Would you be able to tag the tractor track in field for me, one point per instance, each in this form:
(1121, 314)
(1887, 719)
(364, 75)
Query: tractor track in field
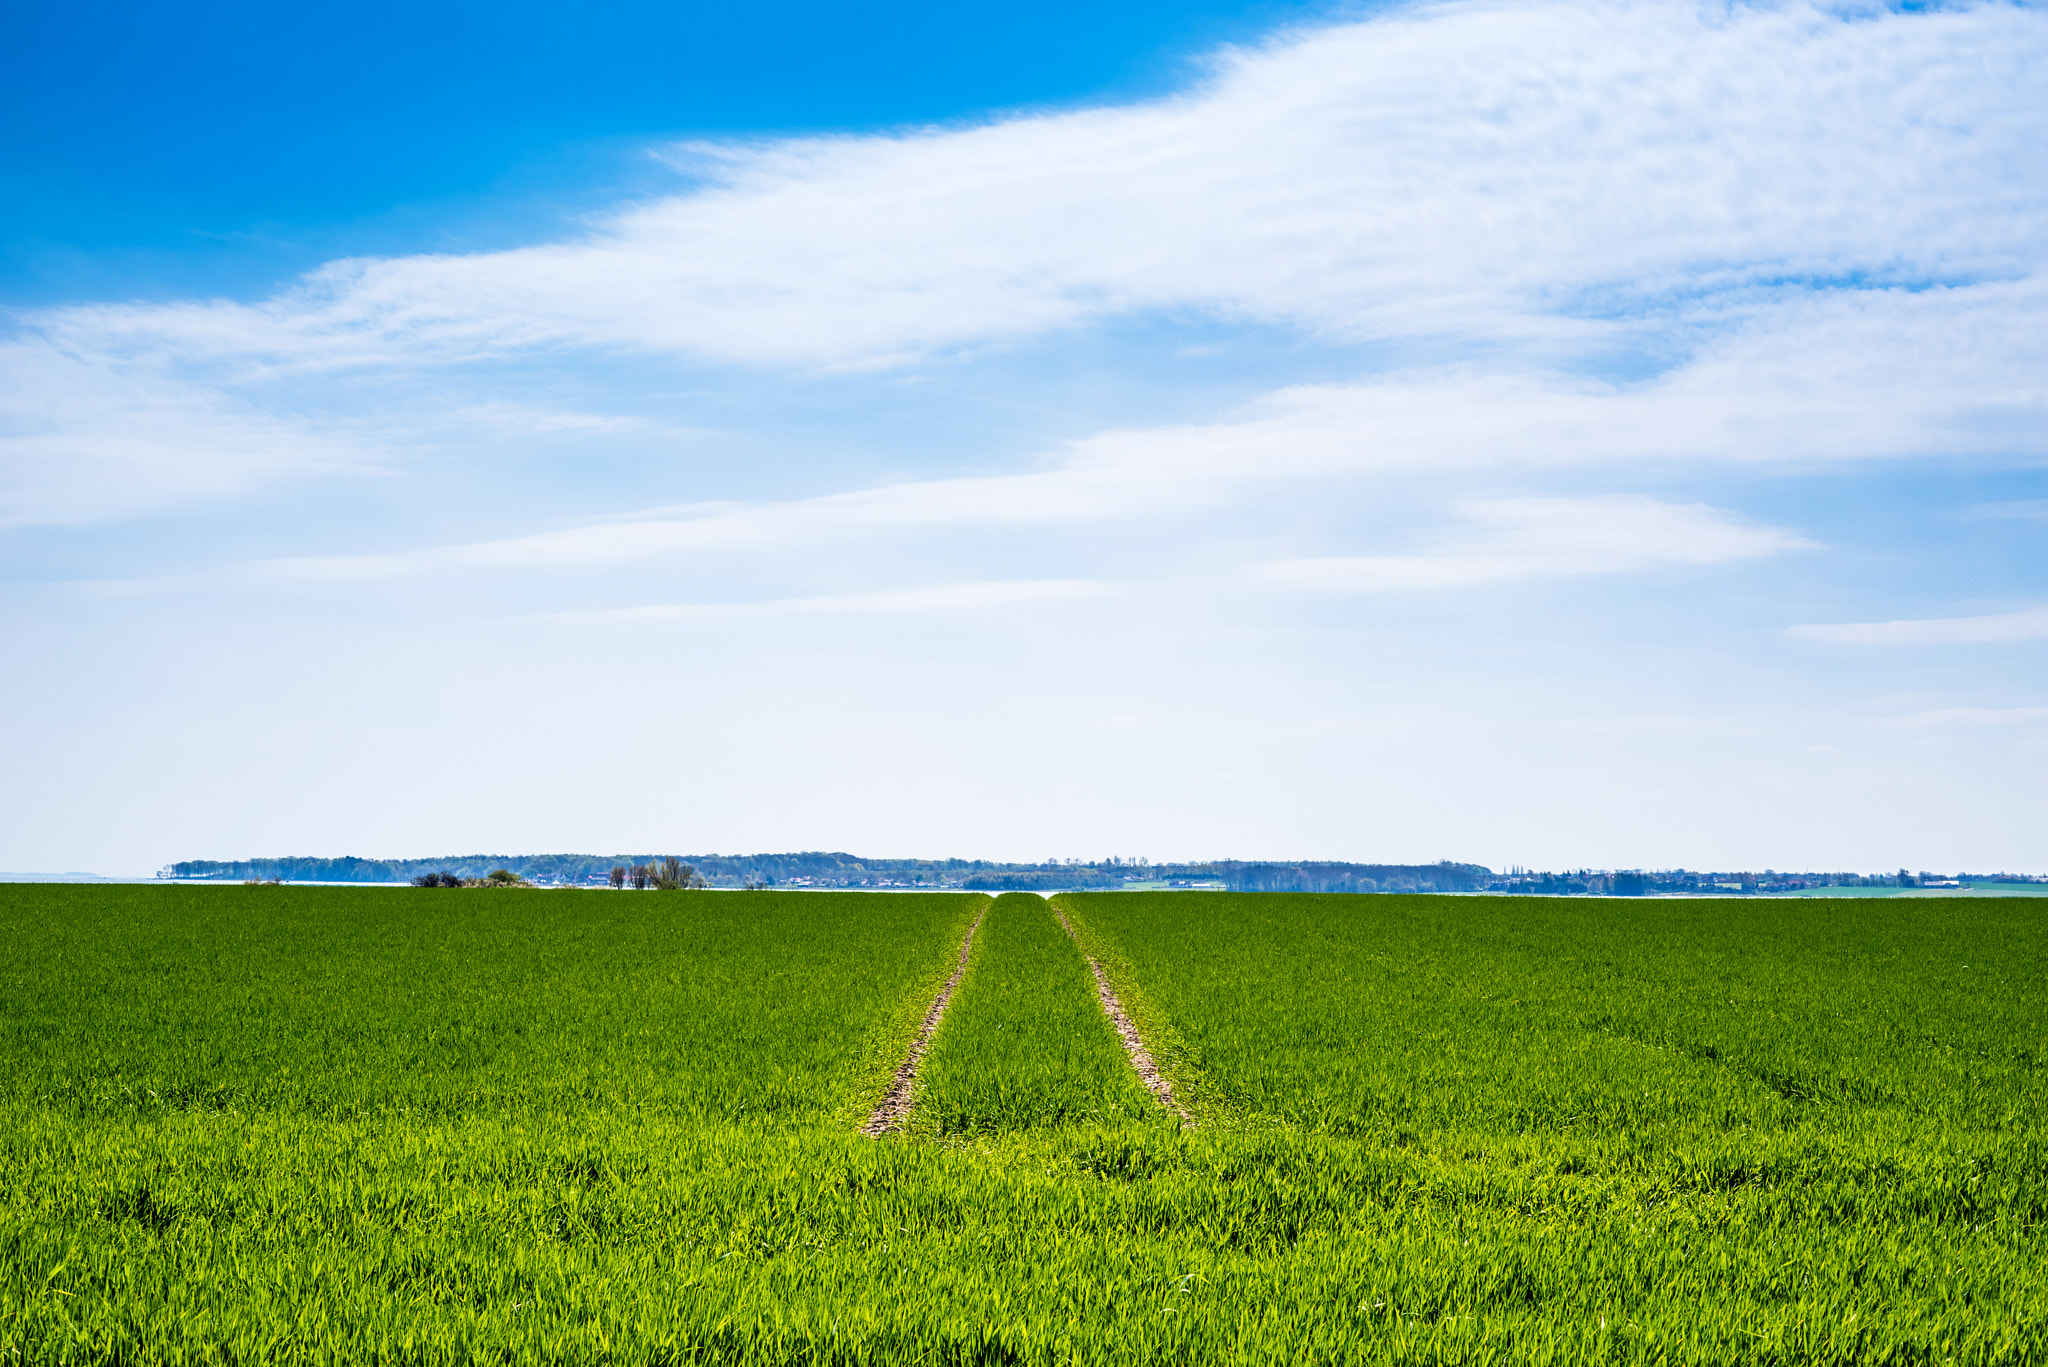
(1134, 1044)
(896, 1103)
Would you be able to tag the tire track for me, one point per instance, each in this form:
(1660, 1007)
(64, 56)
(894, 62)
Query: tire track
(1134, 1045)
(896, 1103)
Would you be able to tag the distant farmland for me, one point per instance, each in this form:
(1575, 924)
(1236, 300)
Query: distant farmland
(279, 1124)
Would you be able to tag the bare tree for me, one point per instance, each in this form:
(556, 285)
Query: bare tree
(618, 875)
(640, 875)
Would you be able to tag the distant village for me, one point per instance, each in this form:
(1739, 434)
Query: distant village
(1652, 882)
(845, 871)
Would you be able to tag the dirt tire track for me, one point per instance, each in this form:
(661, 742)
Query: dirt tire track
(1134, 1045)
(896, 1103)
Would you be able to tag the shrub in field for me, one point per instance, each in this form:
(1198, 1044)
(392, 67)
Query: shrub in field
(672, 875)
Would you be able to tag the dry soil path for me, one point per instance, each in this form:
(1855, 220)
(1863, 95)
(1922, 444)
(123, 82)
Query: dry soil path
(895, 1107)
(1134, 1045)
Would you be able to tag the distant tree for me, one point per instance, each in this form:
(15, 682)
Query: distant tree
(618, 875)
(437, 880)
(673, 875)
(640, 875)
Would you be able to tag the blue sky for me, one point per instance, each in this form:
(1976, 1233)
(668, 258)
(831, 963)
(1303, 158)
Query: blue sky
(156, 150)
(1565, 433)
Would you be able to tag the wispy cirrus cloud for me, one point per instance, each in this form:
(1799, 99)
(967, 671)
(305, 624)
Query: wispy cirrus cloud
(1451, 167)
(2028, 624)
(84, 440)
(1841, 378)
(938, 600)
(1824, 228)
(2023, 510)
(1523, 538)
(1965, 718)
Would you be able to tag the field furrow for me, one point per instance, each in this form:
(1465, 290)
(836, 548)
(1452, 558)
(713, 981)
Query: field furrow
(895, 1106)
(1026, 1046)
(1141, 1059)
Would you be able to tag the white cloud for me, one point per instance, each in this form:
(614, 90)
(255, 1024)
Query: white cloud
(1539, 537)
(1870, 374)
(2028, 624)
(1443, 167)
(1768, 191)
(86, 439)
(2024, 510)
(1881, 373)
(940, 600)
(927, 505)
(512, 417)
(1966, 718)
(1307, 437)
(1855, 375)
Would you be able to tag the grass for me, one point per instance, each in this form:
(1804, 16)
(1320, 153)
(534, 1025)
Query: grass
(1025, 1044)
(1812, 1123)
(781, 1009)
(1434, 1130)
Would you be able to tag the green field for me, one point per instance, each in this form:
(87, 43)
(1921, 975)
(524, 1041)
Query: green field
(337, 1125)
